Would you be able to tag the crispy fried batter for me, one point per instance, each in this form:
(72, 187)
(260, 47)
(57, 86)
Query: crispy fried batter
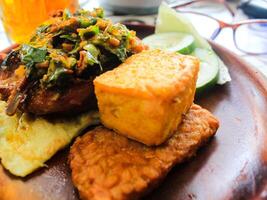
(107, 166)
(145, 97)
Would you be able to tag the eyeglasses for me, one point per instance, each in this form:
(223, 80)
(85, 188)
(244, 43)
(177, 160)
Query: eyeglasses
(247, 1)
(249, 35)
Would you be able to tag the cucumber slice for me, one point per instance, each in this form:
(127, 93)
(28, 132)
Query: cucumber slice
(172, 41)
(209, 69)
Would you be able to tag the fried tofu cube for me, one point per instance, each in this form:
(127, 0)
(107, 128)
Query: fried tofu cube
(145, 97)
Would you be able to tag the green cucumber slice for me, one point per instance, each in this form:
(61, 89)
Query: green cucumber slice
(209, 69)
(172, 41)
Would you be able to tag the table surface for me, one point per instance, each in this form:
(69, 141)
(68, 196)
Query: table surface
(225, 38)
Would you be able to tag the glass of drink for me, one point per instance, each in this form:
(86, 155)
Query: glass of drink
(20, 17)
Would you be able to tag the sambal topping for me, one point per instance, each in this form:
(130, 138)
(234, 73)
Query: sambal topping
(70, 45)
(65, 51)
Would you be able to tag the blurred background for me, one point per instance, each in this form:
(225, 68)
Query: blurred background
(20, 17)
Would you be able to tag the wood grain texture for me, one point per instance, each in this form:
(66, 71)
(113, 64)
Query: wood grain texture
(232, 166)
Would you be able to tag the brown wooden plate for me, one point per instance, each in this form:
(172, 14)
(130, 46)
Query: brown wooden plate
(232, 166)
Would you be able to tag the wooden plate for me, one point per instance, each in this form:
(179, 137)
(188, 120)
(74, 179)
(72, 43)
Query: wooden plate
(232, 166)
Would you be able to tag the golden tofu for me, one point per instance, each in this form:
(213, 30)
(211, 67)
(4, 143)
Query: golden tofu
(145, 97)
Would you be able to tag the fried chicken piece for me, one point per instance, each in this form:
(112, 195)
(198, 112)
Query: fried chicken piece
(77, 98)
(40, 101)
(60, 61)
(107, 166)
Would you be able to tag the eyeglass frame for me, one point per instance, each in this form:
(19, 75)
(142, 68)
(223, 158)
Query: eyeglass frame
(227, 6)
(248, 1)
(223, 24)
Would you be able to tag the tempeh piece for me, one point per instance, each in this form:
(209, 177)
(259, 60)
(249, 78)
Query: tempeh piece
(108, 166)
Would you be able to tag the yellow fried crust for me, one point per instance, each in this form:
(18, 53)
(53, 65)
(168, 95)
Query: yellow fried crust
(107, 166)
(151, 74)
(145, 97)
(27, 142)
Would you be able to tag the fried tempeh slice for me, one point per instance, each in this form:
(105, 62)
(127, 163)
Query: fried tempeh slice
(107, 166)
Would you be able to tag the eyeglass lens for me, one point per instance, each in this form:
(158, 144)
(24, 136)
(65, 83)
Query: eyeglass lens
(251, 38)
